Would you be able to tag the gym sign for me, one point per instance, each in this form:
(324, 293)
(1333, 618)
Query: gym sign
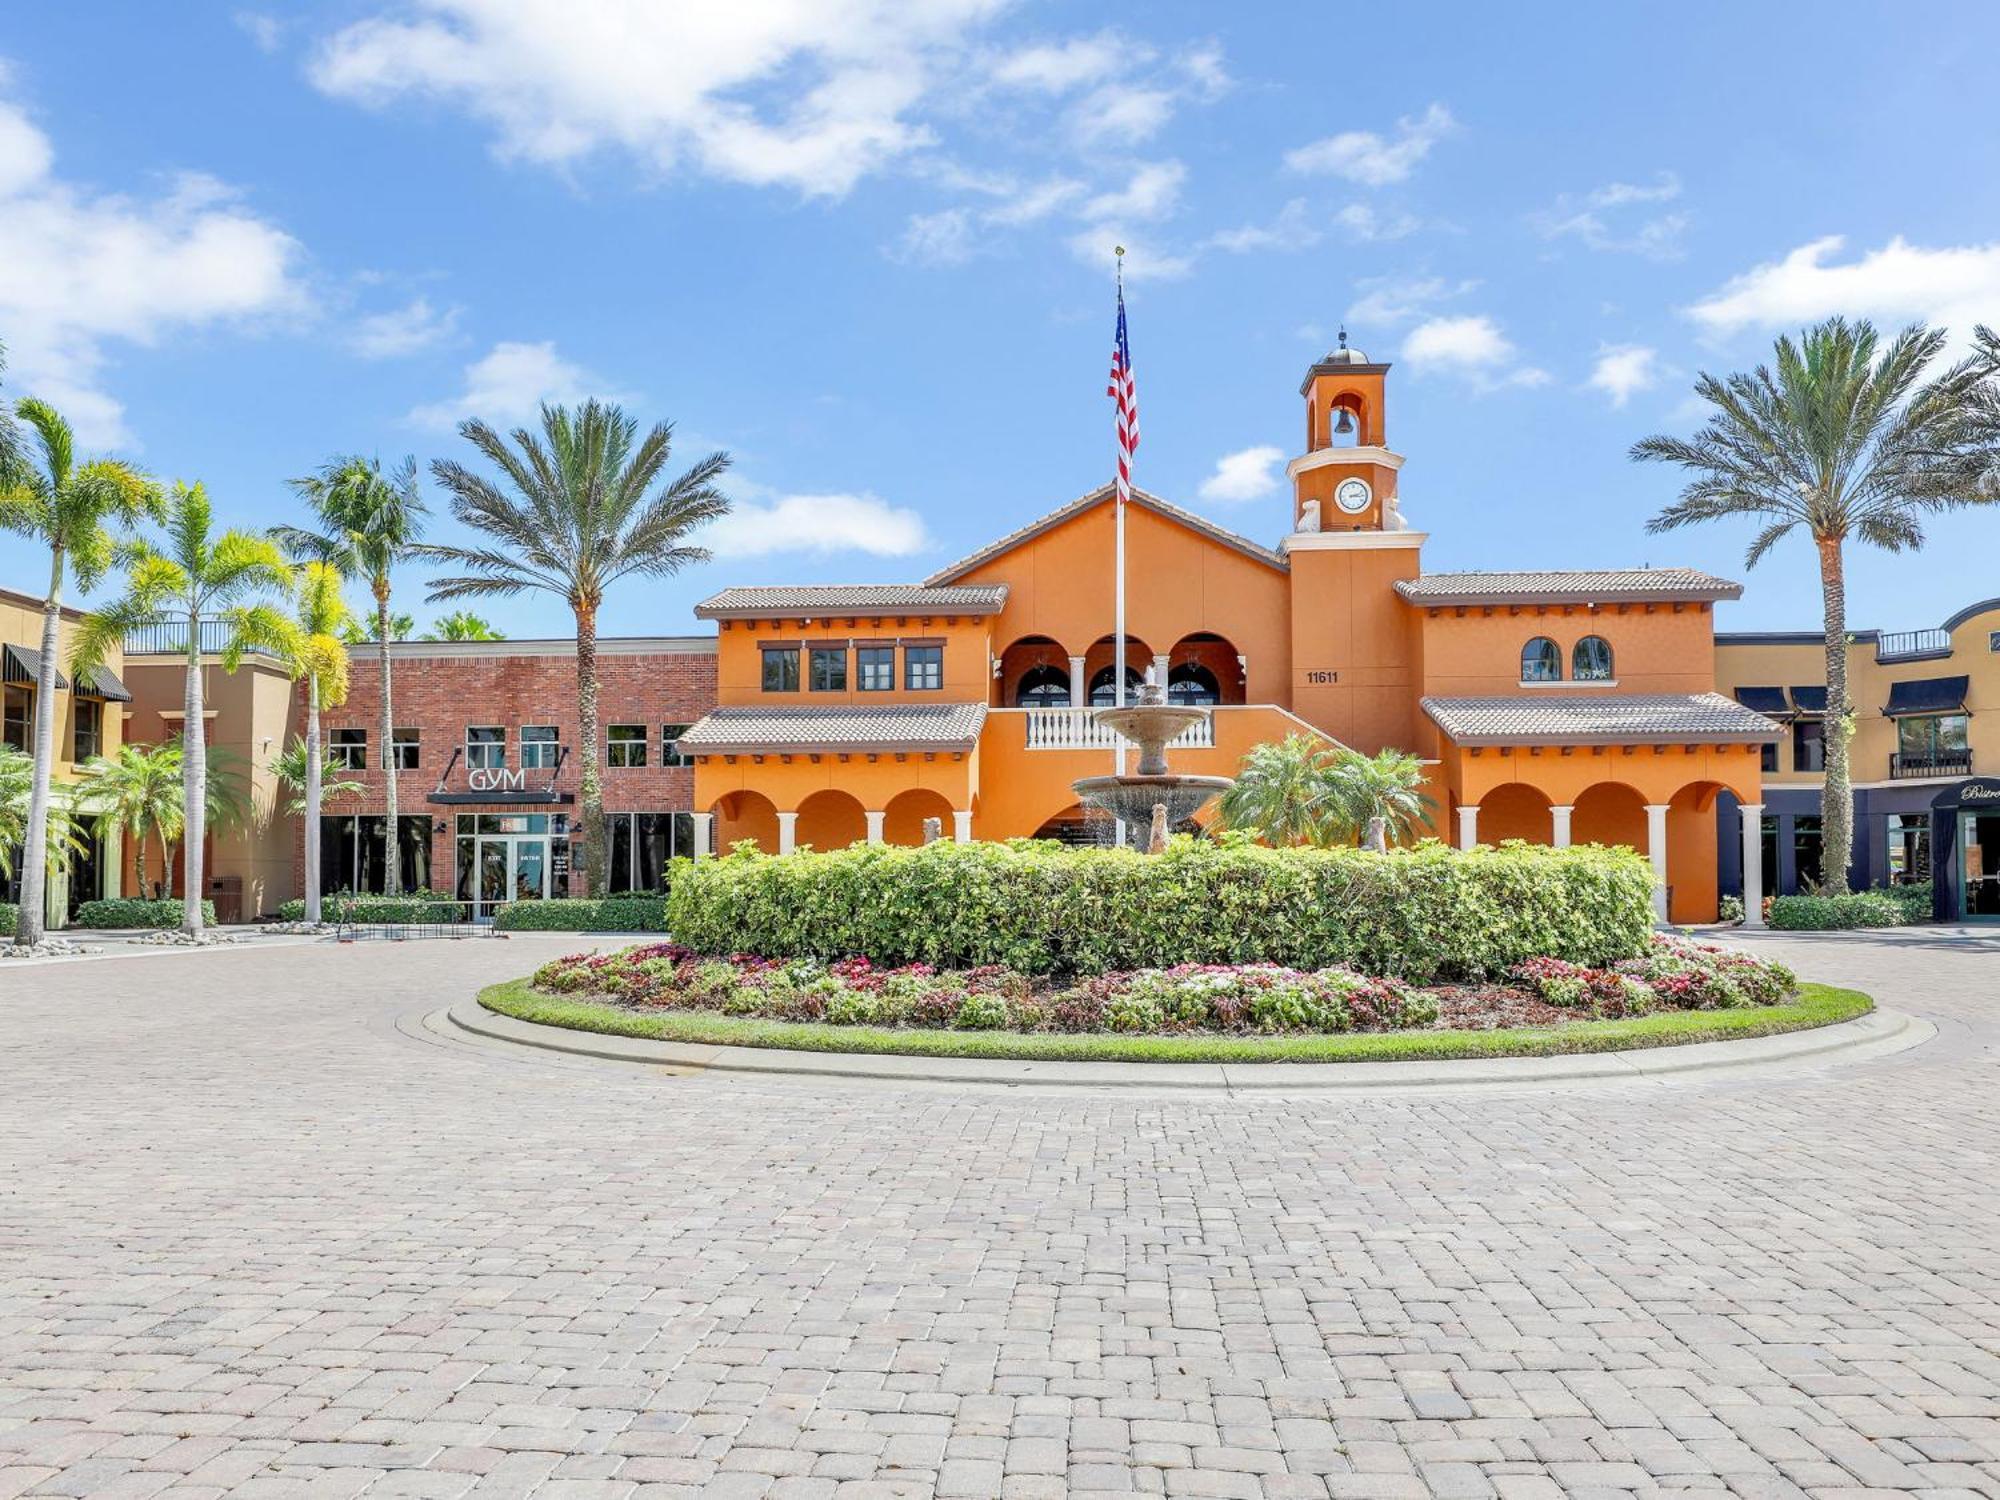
(508, 786)
(496, 779)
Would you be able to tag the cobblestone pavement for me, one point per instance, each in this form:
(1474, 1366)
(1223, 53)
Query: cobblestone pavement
(255, 1241)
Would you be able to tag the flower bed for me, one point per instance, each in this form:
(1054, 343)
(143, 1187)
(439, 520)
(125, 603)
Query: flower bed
(1212, 999)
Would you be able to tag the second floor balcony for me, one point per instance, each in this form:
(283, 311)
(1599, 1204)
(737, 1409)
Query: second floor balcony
(1078, 729)
(170, 638)
(1920, 765)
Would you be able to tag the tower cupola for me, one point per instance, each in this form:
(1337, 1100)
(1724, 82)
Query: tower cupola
(1346, 478)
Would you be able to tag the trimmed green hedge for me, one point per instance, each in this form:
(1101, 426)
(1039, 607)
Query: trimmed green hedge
(1420, 914)
(611, 914)
(10, 918)
(346, 906)
(126, 911)
(1839, 913)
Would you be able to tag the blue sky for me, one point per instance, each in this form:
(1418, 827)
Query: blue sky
(864, 247)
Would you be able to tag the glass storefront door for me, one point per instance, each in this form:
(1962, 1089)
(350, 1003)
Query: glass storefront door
(1979, 865)
(508, 857)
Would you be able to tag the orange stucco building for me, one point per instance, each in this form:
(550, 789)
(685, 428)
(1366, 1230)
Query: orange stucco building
(1552, 707)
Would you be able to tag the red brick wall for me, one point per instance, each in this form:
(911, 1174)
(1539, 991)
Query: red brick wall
(441, 696)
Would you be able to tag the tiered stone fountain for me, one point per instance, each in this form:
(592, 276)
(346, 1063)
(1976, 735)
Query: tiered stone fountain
(1152, 797)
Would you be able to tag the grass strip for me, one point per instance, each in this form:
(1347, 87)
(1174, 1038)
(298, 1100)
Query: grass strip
(1817, 1005)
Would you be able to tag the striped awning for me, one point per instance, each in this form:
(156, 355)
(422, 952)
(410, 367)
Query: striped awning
(102, 682)
(1927, 695)
(23, 665)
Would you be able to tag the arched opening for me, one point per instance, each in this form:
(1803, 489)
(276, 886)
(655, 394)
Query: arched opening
(1098, 674)
(1610, 813)
(1541, 661)
(1104, 690)
(905, 814)
(1346, 421)
(1590, 660)
(1692, 838)
(829, 820)
(1034, 673)
(746, 815)
(1204, 669)
(1515, 811)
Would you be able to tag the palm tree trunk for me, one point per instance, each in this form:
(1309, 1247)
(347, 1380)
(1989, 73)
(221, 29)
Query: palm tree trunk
(392, 862)
(166, 866)
(312, 798)
(138, 861)
(194, 784)
(1836, 804)
(585, 861)
(32, 922)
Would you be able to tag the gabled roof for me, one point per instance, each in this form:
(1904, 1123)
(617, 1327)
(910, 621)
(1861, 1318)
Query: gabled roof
(852, 598)
(839, 726)
(1099, 496)
(1615, 586)
(1627, 719)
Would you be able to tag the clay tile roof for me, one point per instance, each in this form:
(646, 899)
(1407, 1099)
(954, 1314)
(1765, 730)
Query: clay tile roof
(1616, 586)
(853, 598)
(1579, 719)
(893, 726)
(1099, 496)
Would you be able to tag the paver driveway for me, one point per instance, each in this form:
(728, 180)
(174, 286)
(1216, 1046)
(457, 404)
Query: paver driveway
(255, 1241)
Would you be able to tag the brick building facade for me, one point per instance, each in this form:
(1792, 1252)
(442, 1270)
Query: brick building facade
(487, 768)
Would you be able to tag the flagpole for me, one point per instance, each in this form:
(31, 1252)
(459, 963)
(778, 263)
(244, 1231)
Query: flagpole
(1118, 625)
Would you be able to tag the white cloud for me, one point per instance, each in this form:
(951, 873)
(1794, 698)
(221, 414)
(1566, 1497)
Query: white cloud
(1951, 286)
(508, 385)
(1594, 219)
(403, 330)
(266, 31)
(1291, 230)
(1371, 159)
(1247, 474)
(1388, 300)
(1623, 370)
(813, 97)
(1121, 114)
(1361, 221)
(1058, 67)
(1153, 192)
(940, 239)
(1472, 347)
(1026, 204)
(82, 271)
(817, 524)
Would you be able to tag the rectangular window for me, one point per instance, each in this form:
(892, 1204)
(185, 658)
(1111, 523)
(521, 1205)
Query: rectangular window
(876, 666)
(670, 745)
(87, 725)
(19, 719)
(1909, 847)
(781, 669)
(1768, 757)
(1806, 845)
(1932, 740)
(353, 854)
(403, 748)
(1808, 745)
(348, 749)
(539, 750)
(626, 746)
(826, 669)
(923, 668)
(486, 748)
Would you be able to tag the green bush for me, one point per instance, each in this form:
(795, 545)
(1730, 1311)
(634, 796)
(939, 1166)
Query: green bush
(1837, 913)
(1914, 899)
(1043, 908)
(347, 906)
(10, 918)
(129, 912)
(610, 914)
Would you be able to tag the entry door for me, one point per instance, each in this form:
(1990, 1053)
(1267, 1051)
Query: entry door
(528, 873)
(1979, 864)
(494, 881)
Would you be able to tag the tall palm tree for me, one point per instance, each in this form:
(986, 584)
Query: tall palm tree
(363, 630)
(577, 512)
(308, 642)
(17, 781)
(1380, 796)
(1282, 792)
(1845, 439)
(140, 789)
(462, 625)
(70, 507)
(369, 522)
(196, 575)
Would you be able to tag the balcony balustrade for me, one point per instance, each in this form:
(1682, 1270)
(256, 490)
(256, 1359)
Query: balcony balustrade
(1907, 767)
(1078, 729)
(1912, 645)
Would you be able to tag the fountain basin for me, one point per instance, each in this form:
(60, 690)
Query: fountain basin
(1131, 799)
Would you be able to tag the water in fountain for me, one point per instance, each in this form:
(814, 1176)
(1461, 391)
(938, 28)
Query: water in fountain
(1148, 725)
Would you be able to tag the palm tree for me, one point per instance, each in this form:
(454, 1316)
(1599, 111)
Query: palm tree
(1283, 793)
(1380, 796)
(462, 625)
(289, 766)
(1844, 439)
(140, 789)
(68, 507)
(17, 781)
(360, 630)
(197, 576)
(574, 517)
(308, 643)
(369, 522)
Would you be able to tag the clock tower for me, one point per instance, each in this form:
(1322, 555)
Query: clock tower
(1345, 481)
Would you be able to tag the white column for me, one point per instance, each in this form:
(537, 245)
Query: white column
(788, 827)
(1468, 825)
(1079, 690)
(1160, 672)
(1560, 817)
(704, 832)
(1753, 864)
(1656, 850)
(961, 827)
(874, 825)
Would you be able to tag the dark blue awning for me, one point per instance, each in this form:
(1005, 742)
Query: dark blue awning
(1927, 695)
(1769, 701)
(1809, 700)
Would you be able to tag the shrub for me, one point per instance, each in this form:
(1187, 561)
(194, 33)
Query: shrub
(10, 919)
(350, 906)
(126, 911)
(605, 914)
(1729, 909)
(1837, 912)
(1916, 900)
(981, 1013)
(1041, 908)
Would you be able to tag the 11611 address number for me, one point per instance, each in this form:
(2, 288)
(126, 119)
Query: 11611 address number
(1322, 676)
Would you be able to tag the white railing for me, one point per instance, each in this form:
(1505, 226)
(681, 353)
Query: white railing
(1078, 729)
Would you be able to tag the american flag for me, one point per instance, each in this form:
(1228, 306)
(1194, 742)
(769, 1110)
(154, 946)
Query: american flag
(1125, 391)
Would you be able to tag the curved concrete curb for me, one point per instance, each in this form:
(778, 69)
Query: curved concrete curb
(1878, 1033)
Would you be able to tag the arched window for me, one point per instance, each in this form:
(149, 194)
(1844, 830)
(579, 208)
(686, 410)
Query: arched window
(1194, 685)
(1043, 687)
(1591, 660)
(1541, 661)
(1104, 695)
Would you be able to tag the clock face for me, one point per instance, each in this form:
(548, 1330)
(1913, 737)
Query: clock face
(1353, 496)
